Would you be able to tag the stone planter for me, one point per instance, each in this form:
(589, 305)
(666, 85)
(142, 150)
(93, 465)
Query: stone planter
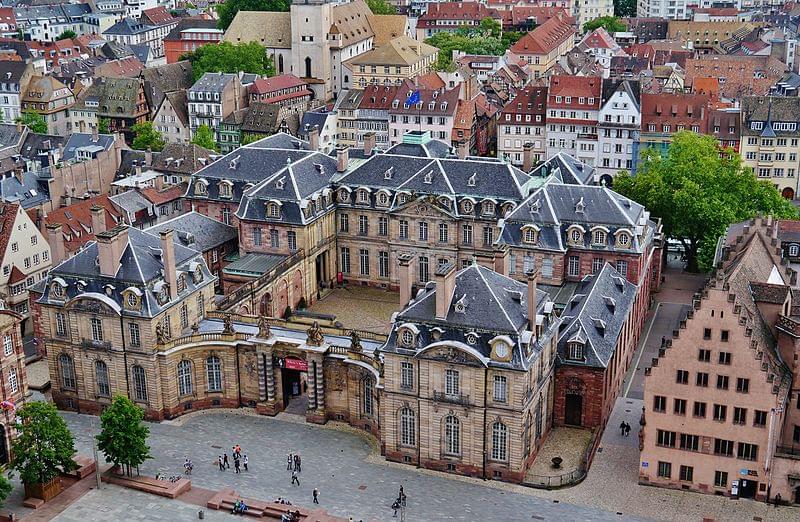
(45, 491)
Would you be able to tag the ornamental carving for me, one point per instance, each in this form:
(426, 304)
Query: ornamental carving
(355, 342)
(451, 355)
(161, 335)
(263, 328)
(227, 324)
(314, 335)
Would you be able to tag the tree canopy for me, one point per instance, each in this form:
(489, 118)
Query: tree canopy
(123, 437)
(34, 121)
(68, 34)
(697, 192)
(204, 137)
(147, 137)
(5, 488)
(44, 446)
(226, 11)
(229, 58)
(624, 8)
(103, 125)
(490, 27)
(610, 23)
(465, 41)
(381, 7)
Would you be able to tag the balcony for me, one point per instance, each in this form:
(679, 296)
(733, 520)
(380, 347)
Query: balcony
(90, 344)
(451, 398)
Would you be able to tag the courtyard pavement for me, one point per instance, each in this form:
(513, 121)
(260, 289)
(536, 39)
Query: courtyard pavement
(362, 308)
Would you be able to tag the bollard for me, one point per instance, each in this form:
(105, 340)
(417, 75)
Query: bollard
(201, 515)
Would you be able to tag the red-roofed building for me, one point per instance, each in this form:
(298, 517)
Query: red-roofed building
(525, 18)
(573, 105)
(188, 35)
(665, 114)
(157, 16)
(8, 23)
(600, 45)
(286, 90)
(522, 121)
(449, 16)
(127, 67)
(79, 224)
(53, 52)
(543, 46)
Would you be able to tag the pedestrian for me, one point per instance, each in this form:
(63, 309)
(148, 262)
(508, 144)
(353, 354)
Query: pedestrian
(395, 506)
(315, 493)
(238, 450)
(244, 461)
(295, 480)
(663, 341)
(778, 499)
(622, 428)
(225, 460)
(221, 465)
(236, 465)
(298, 463)
(289, 462)
(294, 464)
(627, 429)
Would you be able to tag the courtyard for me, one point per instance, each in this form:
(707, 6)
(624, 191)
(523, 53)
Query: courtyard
(360, 307)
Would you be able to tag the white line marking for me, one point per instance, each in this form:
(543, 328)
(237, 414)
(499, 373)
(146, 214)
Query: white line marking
(643, 346)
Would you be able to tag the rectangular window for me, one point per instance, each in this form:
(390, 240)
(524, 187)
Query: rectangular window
(720, 479)
(724, 357)
(383, 226)
(257, 236)
(423, 231)
(702, 379)
(291, 238)
(759, 418)
(665, 438)
(135, 338)
(274, 238)
(707, 334)
(720, 412)
(724, 335)
(686, 473)
(97, 329)
(383, 264)
(723, 447)
(488, 236)
(345, 255)
(451, 382)
(690, 442)
(344, 223)
(682, 377)
(597, 264)
(363, 225)
(622, 267)
(500, 385)
(704, 355)
(739, 415)
(679, 407)
(699, 410)
(574, 266)
(406, 375)
(424, 274)
(664, 469)
(61, 324)
(466, 234)
(363, 261)
(722, 382)
(403, 229)
(659, 403)
(8, 344)
(742, 385)
(746, 451)
(443, 233)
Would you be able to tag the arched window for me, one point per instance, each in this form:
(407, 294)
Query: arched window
(101, 374)
(576, 236)
(452, 435)
(214, 373)
(67, 371)
(793, 250)
(499, 441)
(599, 237)
(367, 387)
(308, 66)
(139, 383)
(408, 427)
(184, 377)
(280, 64)
(530, 235)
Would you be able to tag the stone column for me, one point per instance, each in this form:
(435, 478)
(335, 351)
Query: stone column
(311, 387)
(320, 381)
(270, 371)
(262, 378)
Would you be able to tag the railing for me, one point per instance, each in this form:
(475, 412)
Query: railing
(453, 399)
(251, 287)
(91, 344)
(203, 337)
(788, 451)
(570, 478)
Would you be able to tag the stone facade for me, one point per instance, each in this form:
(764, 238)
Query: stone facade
(14, 380)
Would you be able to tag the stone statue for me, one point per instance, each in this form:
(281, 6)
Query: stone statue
(227, 325)
(263, 328)
(195, 328)
(161, 335)
(315, 337)
(355, 342)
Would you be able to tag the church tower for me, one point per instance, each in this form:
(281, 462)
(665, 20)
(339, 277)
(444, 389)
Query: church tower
(311, 52)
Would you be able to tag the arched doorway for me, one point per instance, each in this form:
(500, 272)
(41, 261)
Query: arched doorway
(788, 193)
(308, 67)
(294, 384)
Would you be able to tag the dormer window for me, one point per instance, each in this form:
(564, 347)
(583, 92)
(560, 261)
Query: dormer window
(407, 338)
(472, 338)
(57, 290)
(344, 195)
(793, 250)
(200, 188)
(488, 208)
(132, 301)
(467, 207)
(575, 352)
(623, 239)
(530, 235)
(599, 237)
(181, 283)
(225, 189)
(383, 199)
(472, 180)
(576, 236)
(274, 210)
(197, 275)
(363, 196)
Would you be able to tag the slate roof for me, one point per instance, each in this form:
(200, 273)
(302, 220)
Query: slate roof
(768, 293)
(254, 264)
(12, 71)
(212, 82)
(182, 158)
(770, 110)
(29, 191)
(140, 267)
(164, 79)
(36, 144)
(9, 135)
(485, 304)
(565, 169)
(117, 97)
(78, 140)
(131, 202)
(128, 26)
(595, 316)
(197, 231)
(430, 149)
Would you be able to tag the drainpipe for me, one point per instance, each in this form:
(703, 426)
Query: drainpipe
(485, 402)
(770, 448)
(419, 430)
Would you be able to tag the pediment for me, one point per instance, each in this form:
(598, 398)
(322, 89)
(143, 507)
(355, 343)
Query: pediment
(425, 206)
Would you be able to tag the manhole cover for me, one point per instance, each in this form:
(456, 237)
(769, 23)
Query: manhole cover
(362, 487)
(216, 447)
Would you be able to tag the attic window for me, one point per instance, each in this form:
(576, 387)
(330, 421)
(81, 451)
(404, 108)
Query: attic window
(472, 179)
(580, 206)
(388, 173)
(281, 183)
(575, 352)
(530, 235)
(472, 338)
(428, 177)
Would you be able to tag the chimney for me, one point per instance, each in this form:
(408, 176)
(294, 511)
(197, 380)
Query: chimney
(56, 240)
(527, 157)
(342, 159)
(138, 170)
(95, 134)
(369, 143)
(445, 278)
(168, 260)
(98, 219)
(19, 127)
(501, 260)
(313, 138)
(148, 157)
(18, 171)
(463, 149)
(533, 277)
(110, 246)
(775, 227)
(406, 277)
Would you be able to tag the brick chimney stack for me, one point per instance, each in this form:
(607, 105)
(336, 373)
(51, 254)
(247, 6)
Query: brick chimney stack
(533, 277)
(55, 238)
(98, 219)
(342, 159)
(527, 157)
(406, 277)
(445, 278)
(313, 138)
(110, 246)
(168, 259)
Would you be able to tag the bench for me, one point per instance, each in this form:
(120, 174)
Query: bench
(86, 466)
(225, 499)
(162, 488)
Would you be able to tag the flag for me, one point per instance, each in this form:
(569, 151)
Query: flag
(413, 99)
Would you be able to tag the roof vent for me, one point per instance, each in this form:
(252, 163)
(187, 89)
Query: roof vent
(610, 303)
(600, 325)
(535, 205)
(234, 163)
(388, 173)
(280, 183)
(428, 177)
(472, 179)
(580, 206)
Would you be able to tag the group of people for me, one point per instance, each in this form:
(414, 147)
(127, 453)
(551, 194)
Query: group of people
(187, 466)
(625, 429)
(400, 502)
(291, 517)
(239, 507)
(293, 464)
(239, 460)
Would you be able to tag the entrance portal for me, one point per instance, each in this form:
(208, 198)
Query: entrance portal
(747, 488)
(294, 385)
(573, 410)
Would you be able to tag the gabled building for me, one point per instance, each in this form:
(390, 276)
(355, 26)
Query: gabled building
(15, 78)
(435, 113)
(542, 47)
(212, 98)
(122, 101)
(602, 47)
(52, 100)
(573, 105)
(69, 228)
(171, 118)
(665, 114)
(521, 124)
(618, 128)
(400, 59)
(450, 16)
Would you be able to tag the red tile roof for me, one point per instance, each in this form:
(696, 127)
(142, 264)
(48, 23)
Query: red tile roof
(159, 197)
(8, 214)
(531, 100)
(381, 96)
(276, 83)
(76, 220)
(128, 67)
(575, 87)
(431, 81)
(158, 16)
(599, 39)
(545, 37)
(743, 75)
(674, 110)
(520, 14)
(439, 13)
(16, 275)
(7, 17)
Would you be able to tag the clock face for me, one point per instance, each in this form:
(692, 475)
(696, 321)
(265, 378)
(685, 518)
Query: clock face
(501, 349)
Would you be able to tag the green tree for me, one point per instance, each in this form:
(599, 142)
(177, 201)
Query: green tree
(123, 437)
(44, 446)
(229, 58)
(226, 11)
(381, 7)
(103, 125)
(697, 192)
(625, 8)
(610, 23)
(509, 38)
(5, 487)
(204, 137)
(147, 137)
(67, 35)
(490, 27)
(468, 41)
(34, 121)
